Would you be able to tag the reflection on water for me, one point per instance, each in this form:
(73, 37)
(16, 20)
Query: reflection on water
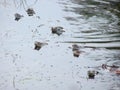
(96, 22)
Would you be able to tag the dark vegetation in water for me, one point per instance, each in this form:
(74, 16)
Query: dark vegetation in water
(57, 30)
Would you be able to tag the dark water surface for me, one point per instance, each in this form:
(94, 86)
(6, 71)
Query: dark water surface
(92, 24)
(96, 22)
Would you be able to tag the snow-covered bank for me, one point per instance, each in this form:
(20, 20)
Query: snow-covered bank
(53, 67)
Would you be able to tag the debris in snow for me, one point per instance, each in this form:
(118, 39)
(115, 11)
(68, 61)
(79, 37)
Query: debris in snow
(40, 25)
(18, 16)
(75, 47)
(76, 53)
(57, 30)
(114, 69)
(76, 50)
(92, 73)
(38, 45)
(30, 12)
(38, 17)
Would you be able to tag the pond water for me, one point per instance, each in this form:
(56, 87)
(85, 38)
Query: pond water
(94, 25)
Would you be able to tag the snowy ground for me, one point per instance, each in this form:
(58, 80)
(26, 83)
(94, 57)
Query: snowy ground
(53, 67)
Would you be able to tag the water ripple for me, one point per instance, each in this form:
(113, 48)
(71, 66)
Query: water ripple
(95, 23)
